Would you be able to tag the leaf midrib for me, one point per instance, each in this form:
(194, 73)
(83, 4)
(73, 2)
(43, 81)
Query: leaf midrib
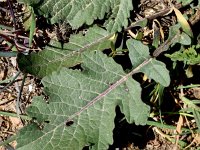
(99, 97)
(81, 50)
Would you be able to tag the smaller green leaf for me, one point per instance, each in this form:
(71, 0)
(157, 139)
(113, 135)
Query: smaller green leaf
(173, 30)
(184, 39)
(157, 70)
(138, 52)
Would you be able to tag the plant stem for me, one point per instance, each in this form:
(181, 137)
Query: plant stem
(7, 54)
(11, 139)
(10, 114)
(11, 82)
(19, 96)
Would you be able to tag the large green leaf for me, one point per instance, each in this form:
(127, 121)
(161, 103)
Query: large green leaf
(81, 107)
(156, 70)
(55, 56)
(78, 12)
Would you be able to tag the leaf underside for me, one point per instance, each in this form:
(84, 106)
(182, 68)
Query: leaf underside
(79, 12)
(55, 56)
(81, 106)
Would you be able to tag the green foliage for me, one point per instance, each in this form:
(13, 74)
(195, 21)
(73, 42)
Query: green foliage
(138, 52)
(81, 103)
(188, 56)
(156, 70)
(182, 38)
(174, 37)
(55, 56)
(89, 99)
(86, 101)
(86, 11)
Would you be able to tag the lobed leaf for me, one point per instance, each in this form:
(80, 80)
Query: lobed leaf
(81, 106)
(78, 12)
(120, 13)
(55, 56)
